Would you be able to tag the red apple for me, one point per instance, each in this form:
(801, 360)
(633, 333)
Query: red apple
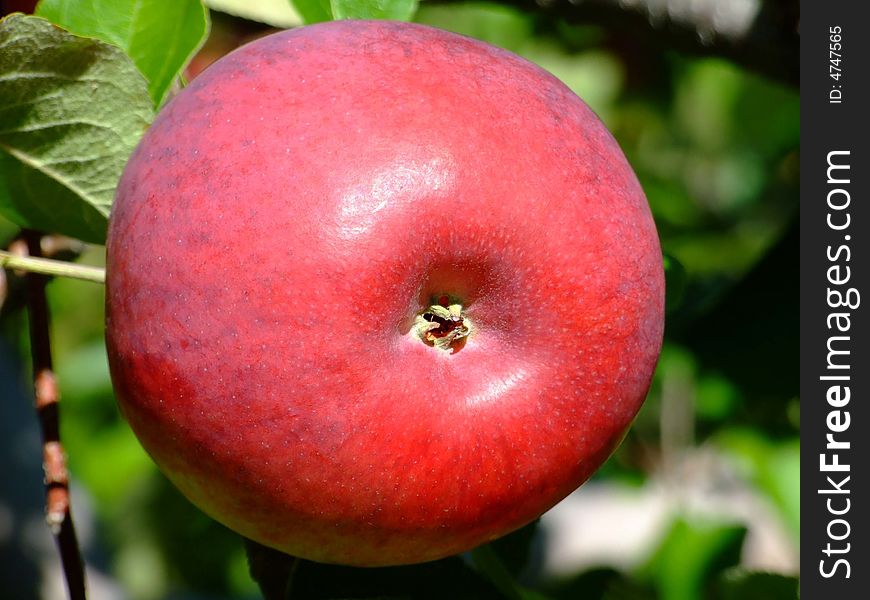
(378, 293)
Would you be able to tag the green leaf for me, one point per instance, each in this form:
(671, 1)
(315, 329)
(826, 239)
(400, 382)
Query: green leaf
(317, 11)
(782, 481)
(161, 36)
(774, 468)
(398, 10)
(737, 584)
(600, 583)
(314, 11)
(71, 111)
(690, 557)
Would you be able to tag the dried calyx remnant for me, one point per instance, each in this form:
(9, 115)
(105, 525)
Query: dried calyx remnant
(443, 324)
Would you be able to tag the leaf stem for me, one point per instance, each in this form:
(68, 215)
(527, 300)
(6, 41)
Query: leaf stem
(47, 266)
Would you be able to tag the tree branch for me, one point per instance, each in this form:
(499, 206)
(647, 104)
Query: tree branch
(47, 396)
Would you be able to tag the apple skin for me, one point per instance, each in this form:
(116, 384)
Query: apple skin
(283, 222)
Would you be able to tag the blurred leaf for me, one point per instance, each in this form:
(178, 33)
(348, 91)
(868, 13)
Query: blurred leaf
(773, 467)
(675, 282)
(717, 256)
(754, 585)
(197, 550)
(717, 398)
(671, 204)
(713, 160)
(140, 567)
(81, 306)
(72, 110)
(239, 575)
(691, 556)
(768, 131)
(602, 583)
(89, 405)
(515, 549)
(84, 373)
(500, 25)
(397, 10)
(706, 96)
(596, 75)
(109, 461)
(751, 334)
(488, 562)
(161, 36)
(8, 230)
(314, 11)
(446, 578)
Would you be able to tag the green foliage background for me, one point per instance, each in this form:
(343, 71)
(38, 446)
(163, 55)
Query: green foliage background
(716, 149)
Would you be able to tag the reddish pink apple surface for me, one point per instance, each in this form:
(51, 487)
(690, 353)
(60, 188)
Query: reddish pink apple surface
(378, 293)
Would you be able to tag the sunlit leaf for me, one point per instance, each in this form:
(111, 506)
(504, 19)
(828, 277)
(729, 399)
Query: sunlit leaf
(161, 36)
(502, 26)
(399, 10)
(277, 13)
(773, 467)
(691, 555)
(71, 111)
(314, 11)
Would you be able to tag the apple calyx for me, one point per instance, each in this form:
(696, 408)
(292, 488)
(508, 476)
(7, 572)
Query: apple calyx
(443, 325)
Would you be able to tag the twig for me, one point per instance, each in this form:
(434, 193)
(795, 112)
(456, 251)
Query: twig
(45, 266)
(47, 395)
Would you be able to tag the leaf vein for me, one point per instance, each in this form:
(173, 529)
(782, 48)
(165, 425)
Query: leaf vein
(66, 181)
